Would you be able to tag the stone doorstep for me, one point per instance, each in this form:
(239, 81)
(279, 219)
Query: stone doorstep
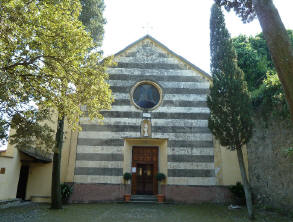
(143, 199)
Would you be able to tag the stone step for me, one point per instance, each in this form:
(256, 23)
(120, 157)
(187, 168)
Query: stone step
(143, 198)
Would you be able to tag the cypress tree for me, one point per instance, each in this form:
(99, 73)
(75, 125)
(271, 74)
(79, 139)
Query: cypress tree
(230, 120)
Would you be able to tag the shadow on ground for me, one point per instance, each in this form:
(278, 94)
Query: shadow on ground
(107, 212)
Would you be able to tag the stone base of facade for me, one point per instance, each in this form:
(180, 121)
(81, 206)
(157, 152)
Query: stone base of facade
(197, 194)
(85, 193)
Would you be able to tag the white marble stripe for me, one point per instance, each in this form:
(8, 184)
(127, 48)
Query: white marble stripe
(170, 136)
(204, 181)
(190, 165)
(190, 151)
(111, 121)
(171, 151)
(146, 72)
(157, 60)
(192, 181)
(155, 122)
(99, 149)
(106, 135)
(97, 179)
(99, 164)
(182, 97)
(164, 109)
(173, 85)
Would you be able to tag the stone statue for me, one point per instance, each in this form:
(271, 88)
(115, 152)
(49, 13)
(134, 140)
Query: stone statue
(145, 129)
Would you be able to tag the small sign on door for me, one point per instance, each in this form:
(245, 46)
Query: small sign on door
(133, 169)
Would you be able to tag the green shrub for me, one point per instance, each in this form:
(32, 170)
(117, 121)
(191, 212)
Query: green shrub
(238, 192)
(160, 177)
(66, 191)
(127, 176)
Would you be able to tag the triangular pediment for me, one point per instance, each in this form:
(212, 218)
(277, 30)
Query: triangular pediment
(149, 50)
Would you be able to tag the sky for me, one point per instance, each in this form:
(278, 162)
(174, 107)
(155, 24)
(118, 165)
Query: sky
(181, 25)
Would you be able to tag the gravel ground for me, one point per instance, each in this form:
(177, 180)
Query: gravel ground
(133, 213)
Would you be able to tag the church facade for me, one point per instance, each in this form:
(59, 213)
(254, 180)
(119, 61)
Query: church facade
(158, 124)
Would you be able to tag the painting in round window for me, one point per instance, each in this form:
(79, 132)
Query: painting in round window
(146, 96)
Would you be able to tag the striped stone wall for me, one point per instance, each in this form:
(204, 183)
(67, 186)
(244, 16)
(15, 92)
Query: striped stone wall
(181, 118)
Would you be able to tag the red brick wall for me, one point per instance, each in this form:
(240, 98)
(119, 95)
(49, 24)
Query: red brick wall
(197, 194)
(96, 192)
(84, 193)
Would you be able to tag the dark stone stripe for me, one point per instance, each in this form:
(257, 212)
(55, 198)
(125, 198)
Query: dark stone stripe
(202, 116)
(100, 142)
(145, 72)
(110, 128)
(98, 171)
(174, 103)
(148, 65)
(121, 102)
(120, 89)
(191, 158)
(133, 54)
(190, 173)
(184, 143)
(156, 78)
(99, 156)
(134, 128)
(180, 103)
(118, 114)
(123, 89)
(177, 129)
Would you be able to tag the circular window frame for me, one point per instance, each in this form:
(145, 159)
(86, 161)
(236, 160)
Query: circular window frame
(156, 85)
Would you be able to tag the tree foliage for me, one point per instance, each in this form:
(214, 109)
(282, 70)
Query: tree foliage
(261, 76)
(252, 64)
(46, 61)
(92, 18)
(274, 32)
(229, 102)
(242, 8)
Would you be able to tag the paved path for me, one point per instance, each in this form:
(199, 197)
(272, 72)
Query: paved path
(132, 213)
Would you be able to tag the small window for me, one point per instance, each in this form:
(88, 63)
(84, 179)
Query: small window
(146, 95)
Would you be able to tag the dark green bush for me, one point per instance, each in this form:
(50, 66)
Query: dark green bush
(127, 176)
(66, 191)
(160, 177)
(238, 193)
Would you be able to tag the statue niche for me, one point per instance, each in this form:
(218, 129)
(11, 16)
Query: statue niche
(145, 128)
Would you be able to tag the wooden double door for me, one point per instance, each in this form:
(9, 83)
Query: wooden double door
(145, 163)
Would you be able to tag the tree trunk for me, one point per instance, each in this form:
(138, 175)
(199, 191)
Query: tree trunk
(279, 45)
(56, 200)
(246, 185)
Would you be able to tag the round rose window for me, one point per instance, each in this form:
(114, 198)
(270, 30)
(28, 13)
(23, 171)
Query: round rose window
(146, 95)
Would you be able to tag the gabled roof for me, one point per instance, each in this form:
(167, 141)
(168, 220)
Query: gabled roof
(165, 48)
